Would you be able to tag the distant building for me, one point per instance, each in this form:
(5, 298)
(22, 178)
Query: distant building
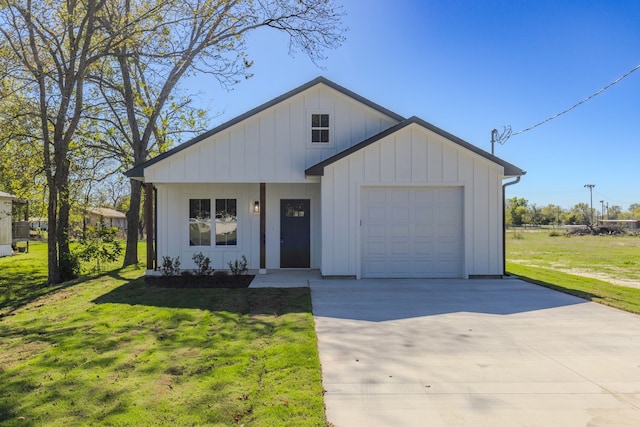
(6, 201)
(110, 217)
(627, 224)
(37, 223)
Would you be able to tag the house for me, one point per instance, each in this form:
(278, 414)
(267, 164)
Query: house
(323, 178)
(13, 232)
(38, 223)
(110, 217)
(6, 202)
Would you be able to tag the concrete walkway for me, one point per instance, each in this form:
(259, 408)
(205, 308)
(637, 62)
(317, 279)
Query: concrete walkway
(473, 353)
(285, 278)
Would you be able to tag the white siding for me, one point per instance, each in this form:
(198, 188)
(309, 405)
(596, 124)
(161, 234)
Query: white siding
(173, 233)
(273, 145)
(5, 227)
(5, 221)
(413, 156)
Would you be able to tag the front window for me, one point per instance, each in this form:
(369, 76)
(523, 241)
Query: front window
(199, 222)
(226, 222)
(320, 128)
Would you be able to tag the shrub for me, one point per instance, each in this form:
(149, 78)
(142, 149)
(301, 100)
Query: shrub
(170, 266)
(69, 267)
(99, 246)
(203, 263)
(238, 268)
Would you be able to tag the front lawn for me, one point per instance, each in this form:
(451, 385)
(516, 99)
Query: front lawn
(110, 351)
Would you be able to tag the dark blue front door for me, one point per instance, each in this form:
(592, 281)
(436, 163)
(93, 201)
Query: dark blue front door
(295, 235)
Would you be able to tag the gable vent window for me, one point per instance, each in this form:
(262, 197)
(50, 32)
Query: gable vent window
(320, 128)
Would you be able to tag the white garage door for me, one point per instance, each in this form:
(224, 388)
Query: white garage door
(412, 232)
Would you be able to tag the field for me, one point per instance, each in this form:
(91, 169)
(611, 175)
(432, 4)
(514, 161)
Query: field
(605, 269)
(107, 350)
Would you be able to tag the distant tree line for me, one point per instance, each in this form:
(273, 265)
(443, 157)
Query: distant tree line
(520, 212)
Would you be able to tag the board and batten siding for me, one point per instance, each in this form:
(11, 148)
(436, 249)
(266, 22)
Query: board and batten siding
(413, 156)
(173, 215)
(273, 145)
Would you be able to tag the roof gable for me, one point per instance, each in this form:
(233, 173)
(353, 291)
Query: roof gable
(509, 169)
(138, 171)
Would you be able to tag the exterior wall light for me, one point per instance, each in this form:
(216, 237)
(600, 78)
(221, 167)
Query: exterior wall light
(256, 207)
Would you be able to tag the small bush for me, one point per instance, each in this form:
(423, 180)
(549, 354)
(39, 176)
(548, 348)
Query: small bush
(99, 247)
(203, 263)
(518, 236)
(170, 266)
(238, 268)
(69, 267)
(554, 233)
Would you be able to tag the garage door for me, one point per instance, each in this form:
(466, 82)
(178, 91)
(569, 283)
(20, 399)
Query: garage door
(412, 232)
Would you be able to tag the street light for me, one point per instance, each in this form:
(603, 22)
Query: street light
(590, 187)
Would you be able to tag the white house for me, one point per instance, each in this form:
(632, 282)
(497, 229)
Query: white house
(323, 178)
(6, 201)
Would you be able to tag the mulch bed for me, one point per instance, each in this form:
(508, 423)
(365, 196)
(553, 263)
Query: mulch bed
(191, 281)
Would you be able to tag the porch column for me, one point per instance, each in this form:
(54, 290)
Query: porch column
(263, 228)
(148, 218)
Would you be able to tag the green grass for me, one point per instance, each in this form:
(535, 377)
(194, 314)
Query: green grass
(622, 297)
(108, 350)
(23, 277)
(617, 257)
(584, 266)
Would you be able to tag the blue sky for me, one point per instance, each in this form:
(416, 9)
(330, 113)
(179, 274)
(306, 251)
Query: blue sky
(470, 66)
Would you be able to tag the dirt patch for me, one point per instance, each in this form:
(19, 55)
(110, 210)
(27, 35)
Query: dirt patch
(586, 273)
(601, 276)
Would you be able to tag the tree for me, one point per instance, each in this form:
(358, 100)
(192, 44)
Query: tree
(614, 212)
(517, 210)
(550, 214)
(49, 46)
(171, 39)
(580, 214)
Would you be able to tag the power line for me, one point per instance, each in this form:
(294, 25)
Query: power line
(509, 134)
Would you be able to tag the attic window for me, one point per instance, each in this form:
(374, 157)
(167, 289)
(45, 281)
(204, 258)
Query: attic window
(320, 128)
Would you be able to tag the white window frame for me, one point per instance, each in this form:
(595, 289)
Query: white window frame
(212, 246)
(309, 129)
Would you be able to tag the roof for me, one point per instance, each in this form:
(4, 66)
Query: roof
(138, 171)
(509, 169)
(7, 195)
(106, 212)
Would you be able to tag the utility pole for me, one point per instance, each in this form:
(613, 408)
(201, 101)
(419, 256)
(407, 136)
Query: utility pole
(590, 187)
(602, 210)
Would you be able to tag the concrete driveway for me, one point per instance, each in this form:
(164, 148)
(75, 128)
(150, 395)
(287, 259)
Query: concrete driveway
(473, 353)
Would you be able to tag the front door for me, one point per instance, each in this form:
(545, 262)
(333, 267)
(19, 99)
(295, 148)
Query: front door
(295, 235)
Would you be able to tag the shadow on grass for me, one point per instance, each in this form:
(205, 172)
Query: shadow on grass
(276, 301)
(22, 290)
(574, 292)
(17, 296)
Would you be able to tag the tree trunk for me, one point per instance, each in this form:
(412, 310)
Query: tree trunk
(133, 219)
(53, 272)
